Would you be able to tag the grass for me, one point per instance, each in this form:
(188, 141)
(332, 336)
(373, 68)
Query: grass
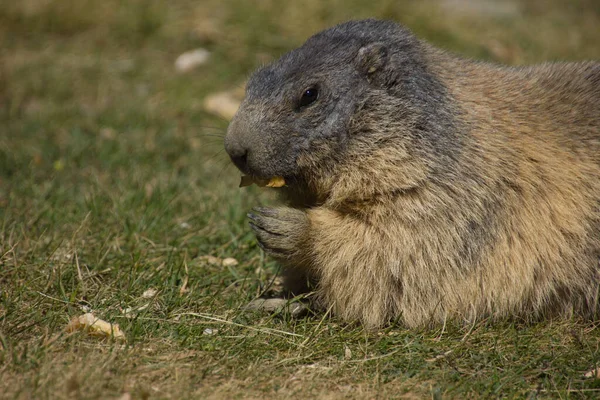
(113, 181)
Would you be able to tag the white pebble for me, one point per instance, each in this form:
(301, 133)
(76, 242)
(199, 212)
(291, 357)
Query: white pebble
(149, 293)
(222, 104)
(191, 59)
(230, 262)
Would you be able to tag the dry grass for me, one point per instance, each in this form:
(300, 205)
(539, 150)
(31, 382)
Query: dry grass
(113, 181)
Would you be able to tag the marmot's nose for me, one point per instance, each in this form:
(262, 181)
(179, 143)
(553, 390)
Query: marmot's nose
(240, 160)
(237, 152)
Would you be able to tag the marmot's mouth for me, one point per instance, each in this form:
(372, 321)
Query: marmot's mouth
(274, 182)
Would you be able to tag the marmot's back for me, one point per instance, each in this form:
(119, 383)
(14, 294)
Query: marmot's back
(534, 156)
(546, 96)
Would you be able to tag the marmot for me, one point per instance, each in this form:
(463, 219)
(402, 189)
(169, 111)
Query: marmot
(422, 186)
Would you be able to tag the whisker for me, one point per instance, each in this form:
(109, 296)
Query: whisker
(213, 147)
(216, 128)
(212, 140)
(225, 165)
(214, 155)
(221, 117)
(207, 134)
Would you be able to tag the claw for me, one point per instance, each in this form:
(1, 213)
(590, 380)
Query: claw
(261, 245)
(259, 230)
(255, 227)
(266, 211)
(277, 253)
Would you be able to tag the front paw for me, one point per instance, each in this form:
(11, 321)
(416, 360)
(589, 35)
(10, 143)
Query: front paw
(281, 232)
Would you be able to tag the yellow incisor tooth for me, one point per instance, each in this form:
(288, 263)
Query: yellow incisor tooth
(275, 182)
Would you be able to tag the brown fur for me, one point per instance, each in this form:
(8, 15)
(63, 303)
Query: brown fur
(536, 146)
(511, 228)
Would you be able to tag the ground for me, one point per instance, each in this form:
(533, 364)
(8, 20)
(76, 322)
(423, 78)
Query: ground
(114, 189)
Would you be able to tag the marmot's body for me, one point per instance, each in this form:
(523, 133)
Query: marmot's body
(423, 186)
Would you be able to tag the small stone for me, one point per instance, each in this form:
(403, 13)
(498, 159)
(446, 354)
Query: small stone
(230, 262)
(594, 373)
(191, 59)
(211, 260)
(347, 353)
(277, 305)
(149, 293)
(222, 104)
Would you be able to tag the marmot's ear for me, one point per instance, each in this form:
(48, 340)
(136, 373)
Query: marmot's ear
(372, 58)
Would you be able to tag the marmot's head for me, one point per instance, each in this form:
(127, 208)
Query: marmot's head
(347, 92)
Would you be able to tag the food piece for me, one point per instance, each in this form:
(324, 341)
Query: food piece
(95, 327)
(275, 182)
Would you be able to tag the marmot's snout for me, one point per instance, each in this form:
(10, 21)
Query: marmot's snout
(236, 148)
(247, 144)
(242, 148)
(254, 150)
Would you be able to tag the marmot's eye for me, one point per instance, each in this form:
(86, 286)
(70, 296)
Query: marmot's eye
(309, 96)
